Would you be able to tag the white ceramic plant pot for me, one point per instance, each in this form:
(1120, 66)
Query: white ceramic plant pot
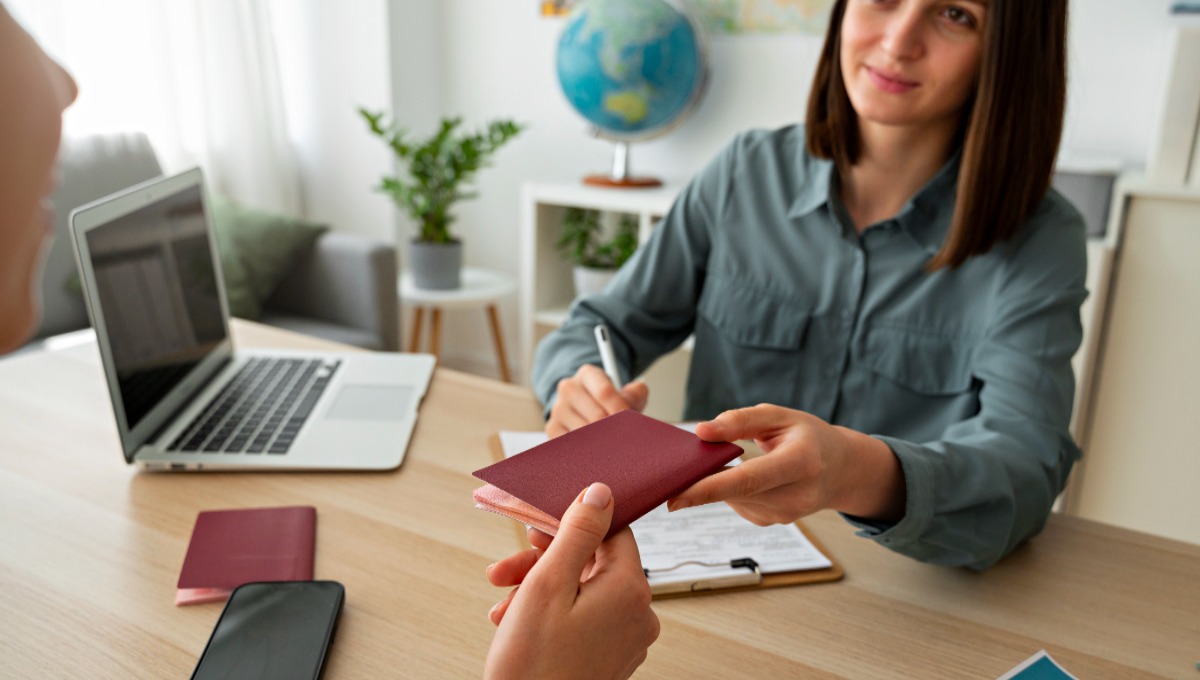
(590, 280)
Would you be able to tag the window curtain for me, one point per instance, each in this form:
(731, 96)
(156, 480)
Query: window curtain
(200, 77)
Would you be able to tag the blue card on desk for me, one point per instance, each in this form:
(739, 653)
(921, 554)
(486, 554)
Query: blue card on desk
(1038, 667)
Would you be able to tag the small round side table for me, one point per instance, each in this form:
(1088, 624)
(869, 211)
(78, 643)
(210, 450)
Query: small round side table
(480, 288)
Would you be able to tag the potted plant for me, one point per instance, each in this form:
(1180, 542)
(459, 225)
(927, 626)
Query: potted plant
(596, 246)
(436, 169)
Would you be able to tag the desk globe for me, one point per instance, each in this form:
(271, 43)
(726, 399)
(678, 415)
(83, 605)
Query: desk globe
(633, 69)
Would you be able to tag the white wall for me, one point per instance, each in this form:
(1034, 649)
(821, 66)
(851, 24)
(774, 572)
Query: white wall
(335, 57)
(417, 81)
(498, 60)
(1120, 52)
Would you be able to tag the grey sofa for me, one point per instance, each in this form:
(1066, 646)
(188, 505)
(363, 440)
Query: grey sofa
(343, 290)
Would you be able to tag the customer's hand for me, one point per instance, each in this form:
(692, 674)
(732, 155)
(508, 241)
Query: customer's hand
(810, 465)
(589, 396)
(581, 608)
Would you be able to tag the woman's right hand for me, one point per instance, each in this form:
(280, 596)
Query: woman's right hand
(589, 396)
(809, 465)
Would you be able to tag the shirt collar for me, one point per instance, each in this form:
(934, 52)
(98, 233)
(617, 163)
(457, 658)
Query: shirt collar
(927, 215)
(814, 192)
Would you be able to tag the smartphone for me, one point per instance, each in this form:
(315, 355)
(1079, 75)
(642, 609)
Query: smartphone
(273, 630)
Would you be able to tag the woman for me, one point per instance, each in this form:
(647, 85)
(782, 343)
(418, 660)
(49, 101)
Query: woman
(893, 284)
(578, 588)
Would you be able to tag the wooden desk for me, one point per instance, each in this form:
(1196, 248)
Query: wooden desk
(90, 550)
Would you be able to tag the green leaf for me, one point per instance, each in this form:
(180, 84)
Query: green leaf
(435, 168)
(582, 242)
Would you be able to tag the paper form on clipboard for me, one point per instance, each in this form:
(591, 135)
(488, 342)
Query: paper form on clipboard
(697, 548)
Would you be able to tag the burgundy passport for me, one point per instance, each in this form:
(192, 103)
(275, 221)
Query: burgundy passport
(644, 461)
(232, 547)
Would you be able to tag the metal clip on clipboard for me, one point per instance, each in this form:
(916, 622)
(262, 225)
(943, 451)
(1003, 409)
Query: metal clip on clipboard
(740, 572)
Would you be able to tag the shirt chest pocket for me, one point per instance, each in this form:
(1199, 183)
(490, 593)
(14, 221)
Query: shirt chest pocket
(752, 317)
(920, 363)
(747, 346)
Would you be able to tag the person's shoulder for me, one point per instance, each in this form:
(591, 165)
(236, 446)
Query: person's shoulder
(775, 150)
(1053, 238)
(1056, 209)
(1056, 221)
(787, 140)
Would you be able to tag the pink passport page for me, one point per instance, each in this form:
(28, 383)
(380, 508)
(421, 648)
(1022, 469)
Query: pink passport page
(644, 461)
(232, 547)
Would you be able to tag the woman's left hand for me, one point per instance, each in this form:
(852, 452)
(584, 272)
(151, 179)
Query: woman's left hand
(581, 605)
(810, 465)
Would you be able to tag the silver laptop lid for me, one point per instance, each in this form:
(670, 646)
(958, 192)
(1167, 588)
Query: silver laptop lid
(150, 272)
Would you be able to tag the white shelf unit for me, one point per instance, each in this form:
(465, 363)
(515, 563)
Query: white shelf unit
(1141, 459)
(546, 289)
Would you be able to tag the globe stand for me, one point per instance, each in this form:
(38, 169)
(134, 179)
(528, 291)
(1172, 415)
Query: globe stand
(620, 178)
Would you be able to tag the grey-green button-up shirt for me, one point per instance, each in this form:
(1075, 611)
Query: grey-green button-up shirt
(964, 373)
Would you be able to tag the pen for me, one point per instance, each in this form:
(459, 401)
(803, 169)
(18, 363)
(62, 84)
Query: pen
(607, 357)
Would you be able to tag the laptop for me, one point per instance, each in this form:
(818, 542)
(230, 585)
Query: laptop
(184, 398)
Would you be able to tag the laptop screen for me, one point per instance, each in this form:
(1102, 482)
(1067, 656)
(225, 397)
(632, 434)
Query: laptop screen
(158, 292)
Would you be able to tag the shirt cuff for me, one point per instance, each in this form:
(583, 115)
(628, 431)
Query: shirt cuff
(918, 507)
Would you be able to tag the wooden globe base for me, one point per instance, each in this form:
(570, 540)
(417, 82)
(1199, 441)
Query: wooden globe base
(622, 183)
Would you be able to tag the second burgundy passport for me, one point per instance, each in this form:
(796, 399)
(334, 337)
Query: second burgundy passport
(644, 461)
(232, 547)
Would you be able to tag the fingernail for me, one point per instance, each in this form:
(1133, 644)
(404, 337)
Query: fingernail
(597, 495)
(489, 569)
(672, 506)
(492, 611)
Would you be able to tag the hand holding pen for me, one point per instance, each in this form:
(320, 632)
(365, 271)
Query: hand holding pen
(594, 393)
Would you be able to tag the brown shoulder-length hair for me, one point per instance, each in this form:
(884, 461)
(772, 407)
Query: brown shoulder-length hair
(1010, 128)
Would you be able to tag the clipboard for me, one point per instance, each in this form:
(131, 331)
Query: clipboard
(740, 574)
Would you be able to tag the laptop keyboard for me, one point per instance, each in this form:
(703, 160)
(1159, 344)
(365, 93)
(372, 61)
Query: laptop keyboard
(261, 409)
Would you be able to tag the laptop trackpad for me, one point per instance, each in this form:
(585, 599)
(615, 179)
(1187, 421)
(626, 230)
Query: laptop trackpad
(372, 402)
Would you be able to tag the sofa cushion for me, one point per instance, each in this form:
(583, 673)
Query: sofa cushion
(258, 249)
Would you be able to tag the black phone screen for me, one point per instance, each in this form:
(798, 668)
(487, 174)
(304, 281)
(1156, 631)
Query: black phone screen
(272, 630)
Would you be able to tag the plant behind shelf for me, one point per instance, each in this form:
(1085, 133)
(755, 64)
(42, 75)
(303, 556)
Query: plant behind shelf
(437, 167)
(582, 239)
